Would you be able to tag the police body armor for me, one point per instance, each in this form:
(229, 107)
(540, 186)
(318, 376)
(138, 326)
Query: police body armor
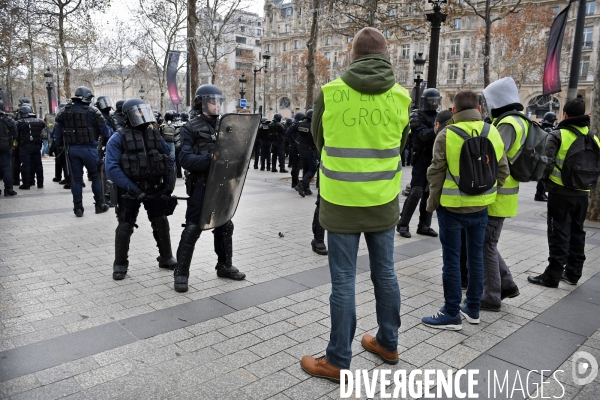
(419, 146)
(142, 159)
(305, 139)
(263, 131)
(77, 129)
(36, 126)
(274, 131)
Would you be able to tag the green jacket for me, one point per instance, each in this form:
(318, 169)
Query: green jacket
(371, 74)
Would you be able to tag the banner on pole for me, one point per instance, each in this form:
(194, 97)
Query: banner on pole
(551, 78)
(172, 76)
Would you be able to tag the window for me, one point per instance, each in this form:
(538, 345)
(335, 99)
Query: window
(457, 24)
(481, 72)
(336, 40)
(388, 34)
(468, 22)
(452, 72)
(240, 39)
(590, 8)
(296, 44)
(328, 56)
(588, 32)
(467, 51)
(285, 79)
(285, 47)
(327, 41)
(287, 12)
(335, 57)
(556, 10)
(402, 76)
(242, 29)
(405, 51)
(287, 28)
(584, 67)
(269, 48)
(257, 43)
(258, 23)
(258, 32)
(455, 48)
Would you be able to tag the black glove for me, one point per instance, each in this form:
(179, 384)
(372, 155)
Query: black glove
(137, 195)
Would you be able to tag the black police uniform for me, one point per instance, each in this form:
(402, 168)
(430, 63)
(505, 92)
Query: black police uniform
(30, 143)
(8, 134)
(308, 156)
(264, 131)
(276, 134)
(291, 133)
(199, 137)
(127, 152)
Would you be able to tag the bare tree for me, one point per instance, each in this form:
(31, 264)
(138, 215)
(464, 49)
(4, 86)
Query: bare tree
(311, 44)
(594, 207)
(192, 48)
(12, 55)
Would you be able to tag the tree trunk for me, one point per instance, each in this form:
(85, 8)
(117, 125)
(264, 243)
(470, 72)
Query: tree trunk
(192, 23)
(487, 45)
(594, 208)
(310, 59)
(63, 53)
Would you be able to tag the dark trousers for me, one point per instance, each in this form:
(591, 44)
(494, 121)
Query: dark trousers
(277, 152)
(128, 209)
(265, 153)
(80, 156)
(177, 164)
(540, 189)
(5, 164)
(256, 152)
(16, 162)
(419, 178)
(309, 165)
(295, 162)
(566, 237)
(318, 231)
(31, 164)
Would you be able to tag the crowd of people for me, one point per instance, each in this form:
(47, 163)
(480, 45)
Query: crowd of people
(467, 165)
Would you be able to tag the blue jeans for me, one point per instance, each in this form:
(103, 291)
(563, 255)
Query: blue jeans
(171, 146)
(451, 225)
(45, 148)
(343, 249)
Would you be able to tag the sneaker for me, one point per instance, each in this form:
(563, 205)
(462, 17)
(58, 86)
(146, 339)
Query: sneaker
(441, 320)
(426, 230)
(319, 247)
(471, 316)
(540, 280)
(489, 307)
(567, 280)
(370, 344)
(510, 293)
(404, 231)
(320, 368)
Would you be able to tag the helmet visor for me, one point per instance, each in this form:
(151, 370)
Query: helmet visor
(431, 103)
(140, 114)
(105, 102)
(214, 104)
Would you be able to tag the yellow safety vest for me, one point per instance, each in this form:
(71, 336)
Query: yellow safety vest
(567, 139)
(360, 159)
(507, 198)
(451, 194)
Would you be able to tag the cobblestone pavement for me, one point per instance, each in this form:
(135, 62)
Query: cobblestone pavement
(68, 330)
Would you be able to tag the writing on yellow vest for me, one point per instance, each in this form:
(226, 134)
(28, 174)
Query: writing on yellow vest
(360, 160)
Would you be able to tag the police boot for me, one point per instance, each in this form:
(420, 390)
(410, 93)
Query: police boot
(189, 237)
(9, 192)
(78, 209)
(24, 187)
(160, 230)
(300, 189)
(101, 207)
(319, 247)
(424, 227)
(122, 236)
(408, 209)
(224, 250)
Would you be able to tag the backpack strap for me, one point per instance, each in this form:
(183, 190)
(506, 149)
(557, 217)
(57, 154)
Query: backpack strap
(459, 131)
(575, 131)
(508, 113)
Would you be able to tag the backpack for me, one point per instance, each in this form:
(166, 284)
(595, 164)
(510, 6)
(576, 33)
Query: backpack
(168, 133)
(274, 132)
(581, 167)
(529, 162)
(5, 136)
(478, 163)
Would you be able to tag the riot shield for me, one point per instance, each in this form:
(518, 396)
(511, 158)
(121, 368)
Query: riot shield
(228, 169)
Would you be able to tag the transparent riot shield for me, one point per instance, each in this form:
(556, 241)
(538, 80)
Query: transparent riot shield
(228, 169)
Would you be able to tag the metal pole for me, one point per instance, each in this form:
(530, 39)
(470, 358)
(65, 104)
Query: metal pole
(49, 90)
(265, 94)
(577, 45)
(254, 99)
(418, 82)
(57, 79)
(436, 18)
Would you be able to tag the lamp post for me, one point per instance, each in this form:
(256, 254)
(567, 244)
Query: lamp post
(243, 81)
(265, 57)
(435, 18)
(40, 107)
(419, 62)
(48, 78)
(141, 91)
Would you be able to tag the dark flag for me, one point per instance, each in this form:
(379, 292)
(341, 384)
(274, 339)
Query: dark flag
(4, 98)
(53, 100)
(172, 76)
(551, 79)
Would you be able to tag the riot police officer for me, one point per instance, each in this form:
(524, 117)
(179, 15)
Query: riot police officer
(308, 154)
(291, 133)
(16, 158)
(276, 134)
(8, 134)
(30, 130)
(105, 105)
(423, 136)
(199, 137)
(264, 131)
(118, 116)
(79, 125)
(139, 163)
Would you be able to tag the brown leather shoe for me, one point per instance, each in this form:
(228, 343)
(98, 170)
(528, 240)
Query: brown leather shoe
(370, 344)
(320, 368)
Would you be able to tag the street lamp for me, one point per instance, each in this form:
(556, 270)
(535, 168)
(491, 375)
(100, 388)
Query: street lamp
(419, 62)
(48, 78)
(243, 81)
(265, 57)
(435, 18)
(141, 91)
(40, 107)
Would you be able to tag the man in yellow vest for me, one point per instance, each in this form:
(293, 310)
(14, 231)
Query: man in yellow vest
(359, 126)
(457, 210)
(567, 207)
(502, 97)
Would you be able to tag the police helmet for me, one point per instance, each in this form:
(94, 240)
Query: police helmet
(277, 117)
(288, 121)
(209, 100)
(549, 118)
(184, 116)
(299, 116)
(264, 121)
(170, 115)
(83, 95)
(25, 110)
(431, 100)
(119, 106)
(137, 112)
(104, 103)
(24, 100)
(309, 113)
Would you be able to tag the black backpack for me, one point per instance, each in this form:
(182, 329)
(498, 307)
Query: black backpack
(5, 136)
(581, 167)
(478, 163)
(529, 162)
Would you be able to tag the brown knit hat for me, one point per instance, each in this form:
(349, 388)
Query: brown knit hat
(368, 41)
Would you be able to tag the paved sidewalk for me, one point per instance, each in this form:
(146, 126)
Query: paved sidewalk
(68, 330)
